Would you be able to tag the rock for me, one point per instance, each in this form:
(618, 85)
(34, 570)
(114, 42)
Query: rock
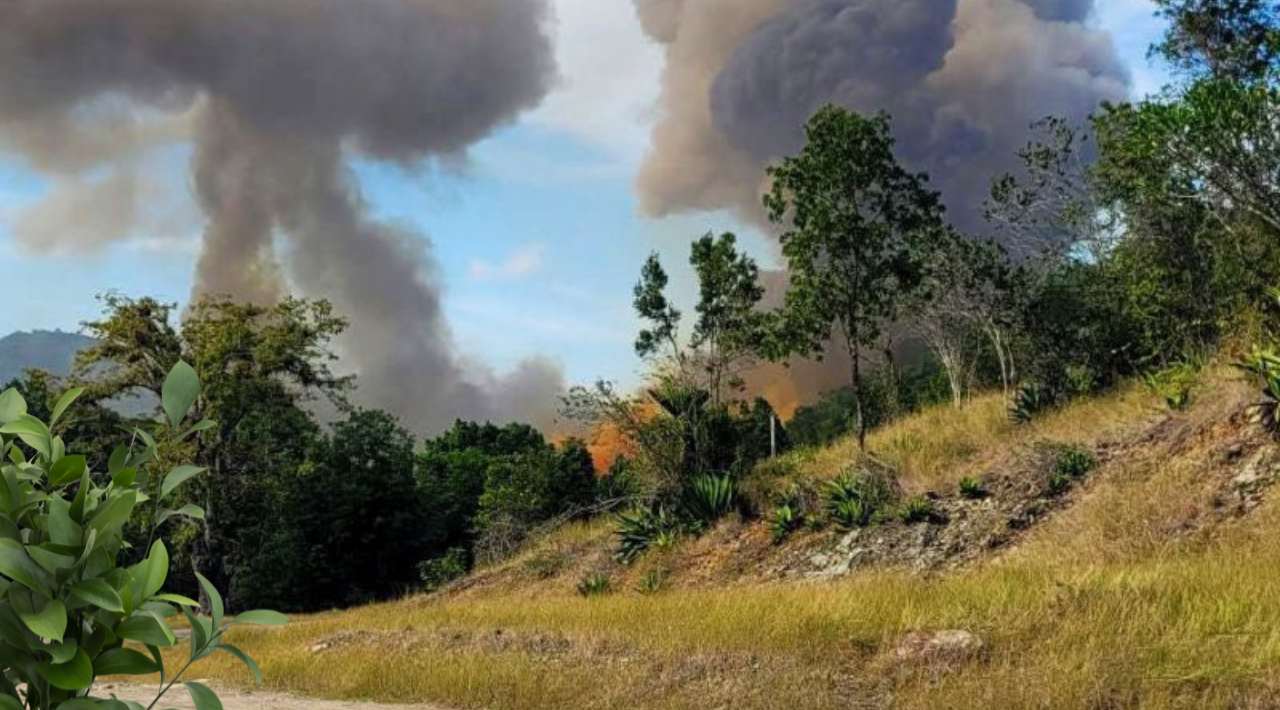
(950, 646)
(320, 647)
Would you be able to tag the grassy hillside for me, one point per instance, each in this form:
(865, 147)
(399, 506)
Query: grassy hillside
(1151, 582)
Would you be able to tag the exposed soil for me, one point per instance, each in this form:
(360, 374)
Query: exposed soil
(237, 700)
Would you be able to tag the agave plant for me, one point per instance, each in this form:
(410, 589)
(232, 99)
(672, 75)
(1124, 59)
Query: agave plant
(640, 530)
(709, 498)
(1029, 400)
(854, 500)
(786, 519)
(1265, 365)
(69, 612)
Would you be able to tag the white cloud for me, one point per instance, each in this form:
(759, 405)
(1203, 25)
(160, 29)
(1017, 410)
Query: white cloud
(610, 77)
(519, 263)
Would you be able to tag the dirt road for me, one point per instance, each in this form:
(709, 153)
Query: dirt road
(234, 700)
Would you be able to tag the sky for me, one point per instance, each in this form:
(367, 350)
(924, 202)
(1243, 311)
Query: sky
(537, 231)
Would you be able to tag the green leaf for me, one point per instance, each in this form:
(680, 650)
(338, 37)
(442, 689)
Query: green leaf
(82, 704)
(192, 511)
(261, 617)
(49, 560)
(177, 599)
(204, 698)
(124, 661)
(67, 470)
(177, 477)
(12, 406)
(65, 401)
(62, 529)
(215, 599)
(179, 392)
(114, 514)
(17, 565)
(50, 622)
(98, 593)
(8, 702)
(146, 628)
(72, 675)
(157, 569)
(203, 425)
(119, 459)
(63, 652)
(244, 658)
(33, 432)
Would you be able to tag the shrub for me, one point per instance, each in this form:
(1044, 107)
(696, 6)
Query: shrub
(708, 498)
(594, 585)
(972, 489)
(438, 572)
(1030, 399)
(856, 500)
(649, 527)
(1074, 462)
(786, 519)
(1265, 365)
(1059, 483)
(652, 582)
(67, 605)
(1174, 384)
(916, 509)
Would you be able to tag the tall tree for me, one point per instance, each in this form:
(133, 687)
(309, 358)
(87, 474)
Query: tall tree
(651, 304)
(1238, 40)
(854, 218)
(727, 332)
(259, 365)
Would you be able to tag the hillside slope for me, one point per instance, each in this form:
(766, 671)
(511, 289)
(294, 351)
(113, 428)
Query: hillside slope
(1148, 583)
(54, 351)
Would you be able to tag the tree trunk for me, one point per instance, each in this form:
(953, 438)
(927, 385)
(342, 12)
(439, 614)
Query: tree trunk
(891, 362)
(858, 410)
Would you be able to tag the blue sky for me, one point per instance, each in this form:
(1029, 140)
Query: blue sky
(537, 235)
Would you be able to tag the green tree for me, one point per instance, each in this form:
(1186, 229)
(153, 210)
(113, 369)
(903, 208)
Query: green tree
(1238, 40)
(854, 218)
(728, 330)
(359, 514)
(652, 305)
(259, 365)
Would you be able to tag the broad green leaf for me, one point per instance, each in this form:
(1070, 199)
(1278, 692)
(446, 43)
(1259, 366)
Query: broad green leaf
(124, 477)
(215, 599)
(114, 513)
(8, 702)
(201, 631)
(62, 529)
(147, 628)
(68, 469)
(203, 425)
(64, 402)
(63, 652)
(12, 406)
(49, 560)
(81, 499)
(177, 599)
(50, 622)
(124, 661)
(244, 658)
(82, 704)
(190, 510)
(33, 432)
(177, 477)
(98, 593)
(261, 617)
(157, 569)
(203, 698)
(72, 675)
(119, 459)
(17, 565)
(179, 392)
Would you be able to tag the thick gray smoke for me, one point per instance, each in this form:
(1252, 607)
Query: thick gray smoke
(278, 97)
(963, 80)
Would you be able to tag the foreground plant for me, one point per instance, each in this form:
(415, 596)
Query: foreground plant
(69, 612)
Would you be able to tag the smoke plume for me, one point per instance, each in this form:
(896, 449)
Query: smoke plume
(278, 98)
(963, 79)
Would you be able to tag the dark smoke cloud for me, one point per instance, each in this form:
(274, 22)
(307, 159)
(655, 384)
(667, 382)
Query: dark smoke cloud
(963, 79)
(278, 96)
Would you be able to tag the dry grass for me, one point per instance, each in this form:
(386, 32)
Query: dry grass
(1107, 605)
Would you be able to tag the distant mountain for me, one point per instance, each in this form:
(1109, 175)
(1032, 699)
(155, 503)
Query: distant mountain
(51, 350)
